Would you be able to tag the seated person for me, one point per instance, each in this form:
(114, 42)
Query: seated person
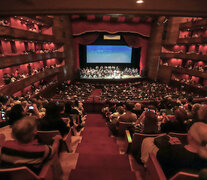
(114, 119)
(52, 120)
(15, 114)
(137, 109)
(128, 116)
(115, 116)
(179, 125)
(174, 156)
(78, 108)
(64, 115)
(202, 113)
(24, 150)
(150, 123)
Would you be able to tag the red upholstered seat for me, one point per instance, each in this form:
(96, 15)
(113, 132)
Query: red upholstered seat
(46, 137)
(137, 142)
(155, 172)
(181, 136)
(184, 176)
(51, 170)
(122, 127)
(2, 138)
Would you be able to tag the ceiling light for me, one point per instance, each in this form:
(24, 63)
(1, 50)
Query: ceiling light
(140, 1)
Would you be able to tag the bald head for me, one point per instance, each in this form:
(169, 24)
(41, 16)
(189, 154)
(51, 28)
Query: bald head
(24, 129)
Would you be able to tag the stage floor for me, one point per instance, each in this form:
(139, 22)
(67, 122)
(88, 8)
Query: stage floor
(112, 80)
(112, 77)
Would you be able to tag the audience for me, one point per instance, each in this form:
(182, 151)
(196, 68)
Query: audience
(10, 78)
(128, 116)
(74, 91)
(178, 125)
(165, 110)
(144, 91)
(52, 120)
(27, 150)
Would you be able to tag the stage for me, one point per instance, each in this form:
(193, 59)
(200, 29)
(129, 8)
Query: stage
(112, 80)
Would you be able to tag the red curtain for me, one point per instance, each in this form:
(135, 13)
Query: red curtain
(85, 39)
(82, 27)
(136, 41)
(133, 40)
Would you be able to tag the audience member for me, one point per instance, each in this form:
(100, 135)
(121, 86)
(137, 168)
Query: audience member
(174, 156)
(128, 116)
(178, 125)
(52, 120)
(25, 148)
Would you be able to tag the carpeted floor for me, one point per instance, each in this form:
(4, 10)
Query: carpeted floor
(99, 157)
(94, 97)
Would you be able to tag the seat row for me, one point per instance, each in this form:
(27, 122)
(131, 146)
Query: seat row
(49, 169)
(153, 168)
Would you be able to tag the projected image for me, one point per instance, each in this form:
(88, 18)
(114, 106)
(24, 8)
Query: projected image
(108, 54)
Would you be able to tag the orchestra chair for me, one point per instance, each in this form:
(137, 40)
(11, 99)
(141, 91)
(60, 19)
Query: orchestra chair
(181, 136)
(51, 170)
(122, 126)
(154, 171)
(46, 137)
(137, 140)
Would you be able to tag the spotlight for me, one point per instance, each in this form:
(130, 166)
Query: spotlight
(139, 1)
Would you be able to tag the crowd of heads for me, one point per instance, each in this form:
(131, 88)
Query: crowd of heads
(163, 117)
(17, 75)
(144, 90)
(74, 91)
(168, 110)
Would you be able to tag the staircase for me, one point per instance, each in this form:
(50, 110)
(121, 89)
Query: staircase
(99, 157)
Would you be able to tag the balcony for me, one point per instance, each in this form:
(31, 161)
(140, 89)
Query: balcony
(21, 84)
(7, 61)
(195, 57)
(192, 40)
(189, 87)
(194, 25)
(47, 92)
(181, 70)
(23, 34)
(190, 72)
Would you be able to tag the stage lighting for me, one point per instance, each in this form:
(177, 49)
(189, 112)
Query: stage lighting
(139, 1)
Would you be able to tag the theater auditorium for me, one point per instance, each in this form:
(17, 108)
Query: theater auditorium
(103, 90)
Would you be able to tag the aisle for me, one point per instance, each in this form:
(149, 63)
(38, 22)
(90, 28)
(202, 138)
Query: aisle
(94, 97)
(99, 157)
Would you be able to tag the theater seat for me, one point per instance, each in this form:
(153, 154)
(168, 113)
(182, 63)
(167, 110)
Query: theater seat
(181, 136)
(137, 143)
(122, 127)
(18, 173)
(24, 173)
(46, 137)
(184, 176)
(154, 171)
(67, 141)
